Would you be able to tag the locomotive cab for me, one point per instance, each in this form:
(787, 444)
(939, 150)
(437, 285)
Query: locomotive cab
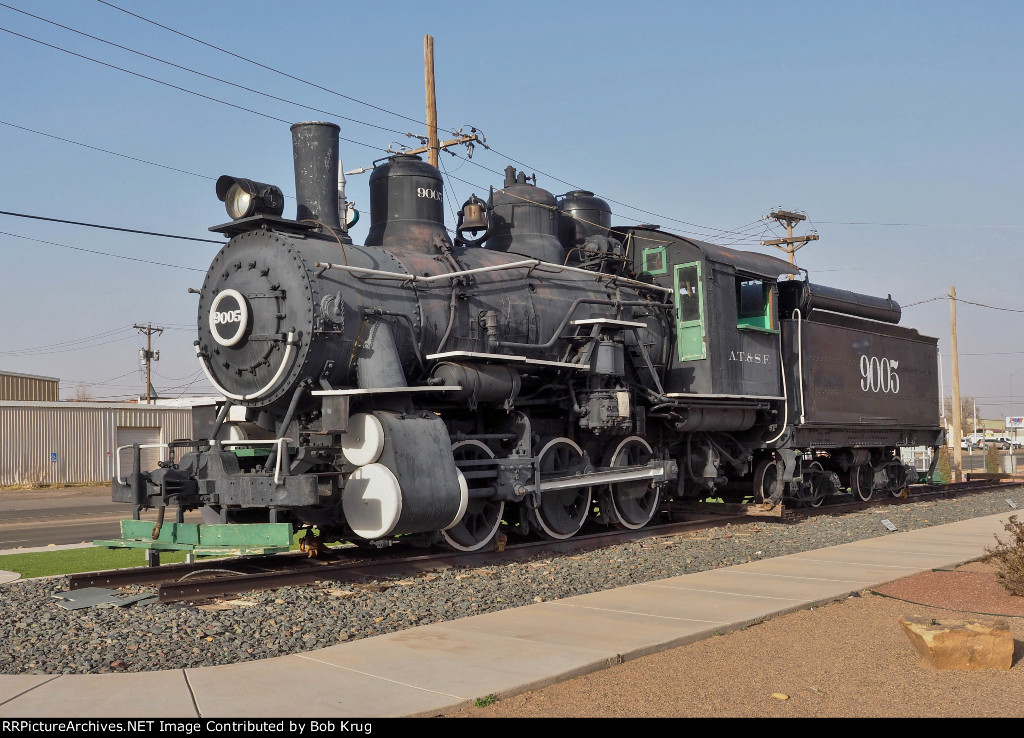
(726, 315)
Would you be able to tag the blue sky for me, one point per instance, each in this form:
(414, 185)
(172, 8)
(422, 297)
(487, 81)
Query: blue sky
(706, 114)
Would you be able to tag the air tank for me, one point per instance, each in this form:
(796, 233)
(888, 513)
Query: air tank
(407, 206)
(581, 216)
(524, 220)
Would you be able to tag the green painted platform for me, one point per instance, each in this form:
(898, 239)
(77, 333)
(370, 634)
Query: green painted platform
(204, 540)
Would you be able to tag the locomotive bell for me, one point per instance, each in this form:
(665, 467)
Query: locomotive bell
(473, 215)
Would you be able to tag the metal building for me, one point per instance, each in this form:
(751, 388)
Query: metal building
(67, 443)
(28, 387)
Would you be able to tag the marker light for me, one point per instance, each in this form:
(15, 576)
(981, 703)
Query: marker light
(243, 198)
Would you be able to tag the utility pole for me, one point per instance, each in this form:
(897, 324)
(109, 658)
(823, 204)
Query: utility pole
(958, 474)
(428, 64)
(433, 145)
(148, 354)
(790, 244)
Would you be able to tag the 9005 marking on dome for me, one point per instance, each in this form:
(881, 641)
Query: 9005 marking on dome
(229, 317)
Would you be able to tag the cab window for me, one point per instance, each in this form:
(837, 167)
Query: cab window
(754, 304)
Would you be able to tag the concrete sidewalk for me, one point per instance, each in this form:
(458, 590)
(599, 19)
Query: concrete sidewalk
(432, 669)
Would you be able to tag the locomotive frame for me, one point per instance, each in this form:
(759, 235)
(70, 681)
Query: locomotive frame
(551, 372)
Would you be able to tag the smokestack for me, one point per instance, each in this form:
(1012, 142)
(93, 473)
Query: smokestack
(315, 148)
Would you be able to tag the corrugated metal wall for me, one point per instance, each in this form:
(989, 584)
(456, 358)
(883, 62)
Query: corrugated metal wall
(28, 388)
(65, 443)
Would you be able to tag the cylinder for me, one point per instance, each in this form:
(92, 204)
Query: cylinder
(412, 484)
(407, 206)
(315, 150)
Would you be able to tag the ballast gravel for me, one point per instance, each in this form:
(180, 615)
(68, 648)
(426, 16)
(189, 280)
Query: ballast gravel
(38, 636)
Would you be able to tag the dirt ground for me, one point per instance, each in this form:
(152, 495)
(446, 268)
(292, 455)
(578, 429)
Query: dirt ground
(843, 659)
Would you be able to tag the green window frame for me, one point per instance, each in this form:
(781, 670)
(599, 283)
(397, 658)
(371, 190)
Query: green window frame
(655, 260)
(754, 304)
(689, 301)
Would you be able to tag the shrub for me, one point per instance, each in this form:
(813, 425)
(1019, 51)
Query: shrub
(991, 458)
(1008, 557)
(944, 469)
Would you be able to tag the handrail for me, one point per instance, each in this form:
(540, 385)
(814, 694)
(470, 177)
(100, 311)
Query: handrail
(526, 264)
(117, 456)
(289, 347)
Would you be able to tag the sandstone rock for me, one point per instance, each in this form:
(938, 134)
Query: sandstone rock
(950, 643)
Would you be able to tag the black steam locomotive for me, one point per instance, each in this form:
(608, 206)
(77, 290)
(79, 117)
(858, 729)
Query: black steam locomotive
(542, 370)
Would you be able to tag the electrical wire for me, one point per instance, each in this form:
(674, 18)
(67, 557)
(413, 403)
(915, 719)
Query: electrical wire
(106, 151)
(203, 74)
(921, 225)
(64, 344)
(705, 231)
(102, 253)
(990, 307)
(65, 350)
(110, 228)
(268, 68)
(143, 76)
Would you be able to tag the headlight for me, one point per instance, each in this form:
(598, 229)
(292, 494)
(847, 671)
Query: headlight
(243, 198)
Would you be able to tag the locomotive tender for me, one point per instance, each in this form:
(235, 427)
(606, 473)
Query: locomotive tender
(548, 372)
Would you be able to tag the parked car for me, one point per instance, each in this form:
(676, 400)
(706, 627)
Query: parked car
(1010, 442)
(968, 445)
(1002, 442)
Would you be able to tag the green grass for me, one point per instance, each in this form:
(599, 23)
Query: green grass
(485, 701)
(74, 560)
(96, 558)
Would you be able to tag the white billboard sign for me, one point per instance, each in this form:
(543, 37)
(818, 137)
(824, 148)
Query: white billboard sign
(1014, 423)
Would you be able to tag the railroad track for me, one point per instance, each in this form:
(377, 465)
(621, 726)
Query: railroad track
(210, 579)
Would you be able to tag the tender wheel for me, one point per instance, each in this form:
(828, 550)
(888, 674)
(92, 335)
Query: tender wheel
(633, 503)
(766, 482)
(897, 479)
(862, 480)
(823, 486)
(482, 520)
(561, 513)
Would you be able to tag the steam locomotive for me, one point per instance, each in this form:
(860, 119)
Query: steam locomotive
(542, 371)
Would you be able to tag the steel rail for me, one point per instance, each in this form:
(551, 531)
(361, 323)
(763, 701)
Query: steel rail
(294, 568)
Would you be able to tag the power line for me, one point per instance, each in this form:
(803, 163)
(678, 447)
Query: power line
(101, 253)
(922, 302)
(264, 66)
(990, 307)
(64, 350)
(63, 344)
(281, 120)
(105, 151)
(143, 76)
(110, 228)
(966, 302)
(920, 225)
(709, 229)
(207, 76)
